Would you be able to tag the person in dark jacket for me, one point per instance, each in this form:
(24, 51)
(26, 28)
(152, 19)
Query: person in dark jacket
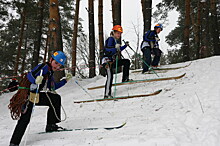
(150, 46)
(47, 96)
(111, 51)
(13, 85)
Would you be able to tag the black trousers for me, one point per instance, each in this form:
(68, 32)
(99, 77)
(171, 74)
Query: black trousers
(121, 62)
(147, 57)
(25, 118)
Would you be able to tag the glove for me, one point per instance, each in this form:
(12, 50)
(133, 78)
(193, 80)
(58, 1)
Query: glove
(39, 80)
(157, 39)
(127, 43)
(118, 46)
(68, 76)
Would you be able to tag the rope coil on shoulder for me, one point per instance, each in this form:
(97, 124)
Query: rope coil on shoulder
(20, 98)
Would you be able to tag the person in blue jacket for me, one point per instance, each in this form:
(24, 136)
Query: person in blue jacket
(150, 46)
(47, 96)
(111, 50)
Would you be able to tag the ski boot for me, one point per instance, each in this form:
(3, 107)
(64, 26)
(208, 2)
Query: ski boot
(126, 80)
(108, 96)
(53, 127)
(154, 67)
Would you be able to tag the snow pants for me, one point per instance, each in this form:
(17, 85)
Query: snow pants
(121, 62)
(147, 51)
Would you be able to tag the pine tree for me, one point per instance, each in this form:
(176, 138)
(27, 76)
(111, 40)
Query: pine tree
(92, 72)
(74, 39)
(214, 28)
(37, 42)
(116, 12)
(186, 46)
(56, 42)
(147, 14)
(101, 35)
(23, 16)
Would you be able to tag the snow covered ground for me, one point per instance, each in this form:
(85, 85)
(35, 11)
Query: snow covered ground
(175, 117)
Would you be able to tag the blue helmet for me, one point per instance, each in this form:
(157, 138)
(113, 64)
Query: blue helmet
(60, 57)
(159, 26)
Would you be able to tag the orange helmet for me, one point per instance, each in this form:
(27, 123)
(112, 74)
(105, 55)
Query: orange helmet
(118, 28)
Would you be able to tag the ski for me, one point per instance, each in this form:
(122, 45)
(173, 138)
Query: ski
(171, 68)
(83, 129)
(140, 81)
(161, 71)
(61, 130)
(122, 97)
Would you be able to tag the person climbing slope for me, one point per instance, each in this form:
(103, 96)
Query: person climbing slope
(150, 46)
(110, 59)
(46, 97)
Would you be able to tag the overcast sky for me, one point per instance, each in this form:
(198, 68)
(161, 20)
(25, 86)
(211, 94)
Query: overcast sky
(131, 13)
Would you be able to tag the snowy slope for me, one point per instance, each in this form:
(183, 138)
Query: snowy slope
(172, 118)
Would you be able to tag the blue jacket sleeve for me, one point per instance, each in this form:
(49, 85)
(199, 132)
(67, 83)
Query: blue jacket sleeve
(123, 47)
(110, 46)
(36, 72)
(60, 84)
(149, 36)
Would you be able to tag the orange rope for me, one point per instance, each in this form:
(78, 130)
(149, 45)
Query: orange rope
(19, 98)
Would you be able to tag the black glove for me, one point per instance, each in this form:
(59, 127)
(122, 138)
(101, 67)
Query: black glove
(127, 43)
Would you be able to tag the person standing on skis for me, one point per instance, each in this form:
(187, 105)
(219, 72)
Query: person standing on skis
(111, 50)
(150, 46)
(46, 96)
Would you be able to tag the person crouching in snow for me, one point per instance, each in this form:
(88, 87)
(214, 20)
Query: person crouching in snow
(47, 96)
(150, 46)
(111, 50)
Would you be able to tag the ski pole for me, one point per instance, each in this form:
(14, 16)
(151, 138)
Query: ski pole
(91, 96)
(87, 92)
(116, 71)
(37, 92)
(142, 60)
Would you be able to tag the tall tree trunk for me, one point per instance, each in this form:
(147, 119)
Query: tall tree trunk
(147, 13)
(46, 47)
(186, 31)
(23, 20)
(205, 36)
(198, 32)
(101, 35)
(25, 50)
(55, 27)
(74, 39)
(214, 24)
(55, 34)
(91, 40)
(116, 17)
(116, 12)
(37, 43)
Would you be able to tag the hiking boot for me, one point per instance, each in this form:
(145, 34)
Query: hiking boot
(52, 127)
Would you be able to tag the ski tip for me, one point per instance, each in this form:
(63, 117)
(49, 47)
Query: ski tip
(124, 123)
(183, 75)
(158, 91)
